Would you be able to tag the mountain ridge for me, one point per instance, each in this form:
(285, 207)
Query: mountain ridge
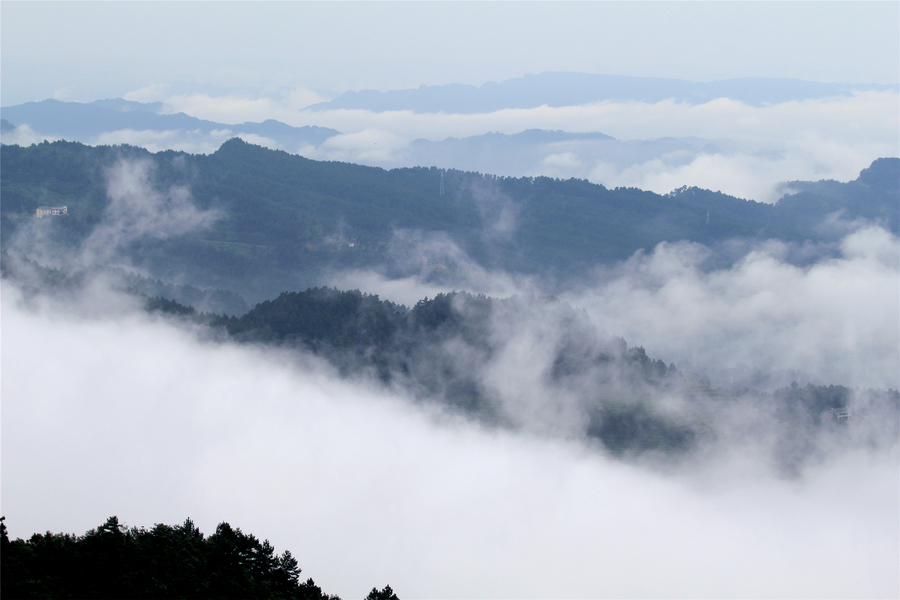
(286, 221)
(80, 121)
(556, 89)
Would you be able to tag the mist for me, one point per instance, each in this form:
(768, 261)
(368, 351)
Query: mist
(749, 149)
(726, 145)
(826, 313)
(835, 319)
(137, 209)
(367, 487)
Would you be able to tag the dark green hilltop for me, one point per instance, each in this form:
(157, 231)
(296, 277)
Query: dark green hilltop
(286, 221)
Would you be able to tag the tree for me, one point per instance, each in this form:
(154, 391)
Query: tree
(113, 561)
(386, 594)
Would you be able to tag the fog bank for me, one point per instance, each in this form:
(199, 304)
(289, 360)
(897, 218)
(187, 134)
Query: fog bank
(133, 416)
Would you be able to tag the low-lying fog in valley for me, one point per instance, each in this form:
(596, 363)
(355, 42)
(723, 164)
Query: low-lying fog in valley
(110, 410)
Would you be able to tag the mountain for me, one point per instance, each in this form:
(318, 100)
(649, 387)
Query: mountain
(871, 196)
(420, 349)
(84, 122)
(284, 222)
(530, 152)
(116, 561)
(551, 153)
(557, 89)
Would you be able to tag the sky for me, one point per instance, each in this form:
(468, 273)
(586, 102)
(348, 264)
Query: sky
(87, 51)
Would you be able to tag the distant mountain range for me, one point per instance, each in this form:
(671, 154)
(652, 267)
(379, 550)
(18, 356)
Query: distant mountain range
(530, 152)
(569, 89)
(551, 153)
(83, 122)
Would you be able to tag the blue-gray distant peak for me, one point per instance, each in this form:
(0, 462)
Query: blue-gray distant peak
(122, 105)
(77, 121)
(569, 89)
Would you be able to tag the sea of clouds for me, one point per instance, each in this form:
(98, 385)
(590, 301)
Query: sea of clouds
(739, 149)
(752, 149)
(116, 412)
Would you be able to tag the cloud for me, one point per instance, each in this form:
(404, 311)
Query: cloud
(822, 313)
(193, 142)
(564, 160)
(499, 214)
(150, 93)
(24, 136)
(865, 115)
(300, 97)
(836, 320)
(224, 109)
(751, 149)
(423, 263)
(138, 209)
(259, 140)
(724, 145)
(401, 290)
(180, 140)
(746, 173)
(134, 416)
(236, 109)
(370, 146)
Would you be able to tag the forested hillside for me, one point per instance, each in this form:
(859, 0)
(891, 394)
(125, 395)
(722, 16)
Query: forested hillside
(282, 221)
(166, 561)
(582, 381)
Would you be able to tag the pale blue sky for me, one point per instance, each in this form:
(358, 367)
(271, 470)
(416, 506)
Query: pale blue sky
(85, 51)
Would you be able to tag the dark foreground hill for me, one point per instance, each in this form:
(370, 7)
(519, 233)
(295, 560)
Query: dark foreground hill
(114, 561)
(285, 221)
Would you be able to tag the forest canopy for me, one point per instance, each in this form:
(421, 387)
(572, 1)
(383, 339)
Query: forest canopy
(166, 561)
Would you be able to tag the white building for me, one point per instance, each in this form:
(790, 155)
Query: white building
(51, 211)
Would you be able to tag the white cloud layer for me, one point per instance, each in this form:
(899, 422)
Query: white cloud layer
(131, 416)
(836, 320)
(750, 150)
(193, 142)
(24, 136)
(234, 108)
